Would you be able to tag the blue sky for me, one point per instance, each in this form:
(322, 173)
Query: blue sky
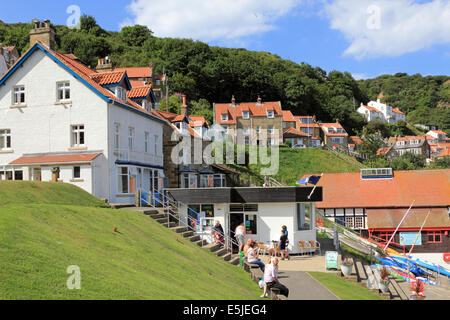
(364, 37)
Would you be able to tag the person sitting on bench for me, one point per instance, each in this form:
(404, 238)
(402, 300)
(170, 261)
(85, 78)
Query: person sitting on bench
(271, 279)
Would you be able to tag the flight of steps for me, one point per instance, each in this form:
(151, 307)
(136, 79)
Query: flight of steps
(160, 216)
(369, 277)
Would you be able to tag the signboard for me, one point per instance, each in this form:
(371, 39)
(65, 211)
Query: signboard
(331, 260)
(408, 238)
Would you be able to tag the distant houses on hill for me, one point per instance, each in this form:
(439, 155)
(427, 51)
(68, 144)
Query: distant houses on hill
(375, 110)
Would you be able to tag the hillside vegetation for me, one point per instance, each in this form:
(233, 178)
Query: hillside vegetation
(143, 260)
(295, 163)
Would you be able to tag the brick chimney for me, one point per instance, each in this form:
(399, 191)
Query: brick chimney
(259, 101)
(184, 108)
(104, 65)
(44, 33)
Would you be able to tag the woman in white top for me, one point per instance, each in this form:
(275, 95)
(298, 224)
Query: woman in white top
(252, 257)
(240, 236)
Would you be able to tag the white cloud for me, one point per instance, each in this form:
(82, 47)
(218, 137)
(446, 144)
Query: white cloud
(208, 20)
(389, 28)
(360, 76)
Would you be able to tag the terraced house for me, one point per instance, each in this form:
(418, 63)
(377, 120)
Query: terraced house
(249, 122)
(62, 121)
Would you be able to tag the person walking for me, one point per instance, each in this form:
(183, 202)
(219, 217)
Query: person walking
(240, 236)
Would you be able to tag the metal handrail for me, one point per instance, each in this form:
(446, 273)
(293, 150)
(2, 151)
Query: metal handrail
(173, 205)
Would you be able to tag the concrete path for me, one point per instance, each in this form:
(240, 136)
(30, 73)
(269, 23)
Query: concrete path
(303, 287)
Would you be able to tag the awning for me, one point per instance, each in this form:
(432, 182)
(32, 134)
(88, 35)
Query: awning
(390, 218)
(138, 164)
(55, 159)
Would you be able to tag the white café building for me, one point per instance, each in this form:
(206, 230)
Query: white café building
(262, 210)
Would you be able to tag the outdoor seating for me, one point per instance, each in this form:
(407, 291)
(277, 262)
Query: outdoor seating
(315, 245)
(304, 248)
(263, 249)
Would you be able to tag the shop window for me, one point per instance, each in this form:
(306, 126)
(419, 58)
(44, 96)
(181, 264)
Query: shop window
(201, 217)
(251, 224)
(304, 211)
(434, 237)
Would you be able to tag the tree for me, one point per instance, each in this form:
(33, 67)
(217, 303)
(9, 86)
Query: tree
(135, 35)
(174, 104)
(202, 108)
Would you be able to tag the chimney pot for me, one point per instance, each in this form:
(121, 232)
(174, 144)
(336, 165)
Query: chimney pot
(233, 100)
(259, 100)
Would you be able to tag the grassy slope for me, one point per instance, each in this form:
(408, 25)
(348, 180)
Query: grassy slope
(344, 289)
(38, 241)
(294, 163)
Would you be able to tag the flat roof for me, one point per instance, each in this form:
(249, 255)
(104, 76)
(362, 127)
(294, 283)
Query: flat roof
(246, 195)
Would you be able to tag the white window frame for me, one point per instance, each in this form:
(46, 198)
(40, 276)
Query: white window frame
(270, 114)
(5, 134)
(224, 117)
(116, 136)
(245, 114)
(62, 89)
(246, 131)
(131, 137)
(156, 144)
(270, 130)
(19, 93)
(76, 131)
(120, 176)
(258, 129)
(146, 142)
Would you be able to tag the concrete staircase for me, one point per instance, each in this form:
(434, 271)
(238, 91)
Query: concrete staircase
(369, 277)
(161, 216)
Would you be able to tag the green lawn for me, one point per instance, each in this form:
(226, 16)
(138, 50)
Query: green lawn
(343, 289)
(39, 241)
(294, 163)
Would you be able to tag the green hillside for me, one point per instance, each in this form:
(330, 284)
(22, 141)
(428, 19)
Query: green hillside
(143, 260)
(294, 163)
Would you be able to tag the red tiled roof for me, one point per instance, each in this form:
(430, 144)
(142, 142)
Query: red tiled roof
(439, 132)
(396, 110)
(256, 110)
(136, 72)
(288, 116)
(383, 151)
(333, 125)
(139, 92)
(137, 83)
(197, 121)
(372, 109)
(46, 159)
(356, 140)
(348, 190)
(409, 138)
(295, 132)
(108, 77)
(390, 218)
(445, 153)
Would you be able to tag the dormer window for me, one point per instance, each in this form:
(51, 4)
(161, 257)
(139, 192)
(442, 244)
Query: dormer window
(270, 114)
(245, 114)
(121, 93)
(224, 117)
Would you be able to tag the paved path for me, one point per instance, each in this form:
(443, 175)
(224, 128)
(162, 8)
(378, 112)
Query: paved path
(293, 273)
(303, 287)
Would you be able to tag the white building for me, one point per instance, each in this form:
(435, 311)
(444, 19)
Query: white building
(381, 111)
(62, 121)
(262, 210)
